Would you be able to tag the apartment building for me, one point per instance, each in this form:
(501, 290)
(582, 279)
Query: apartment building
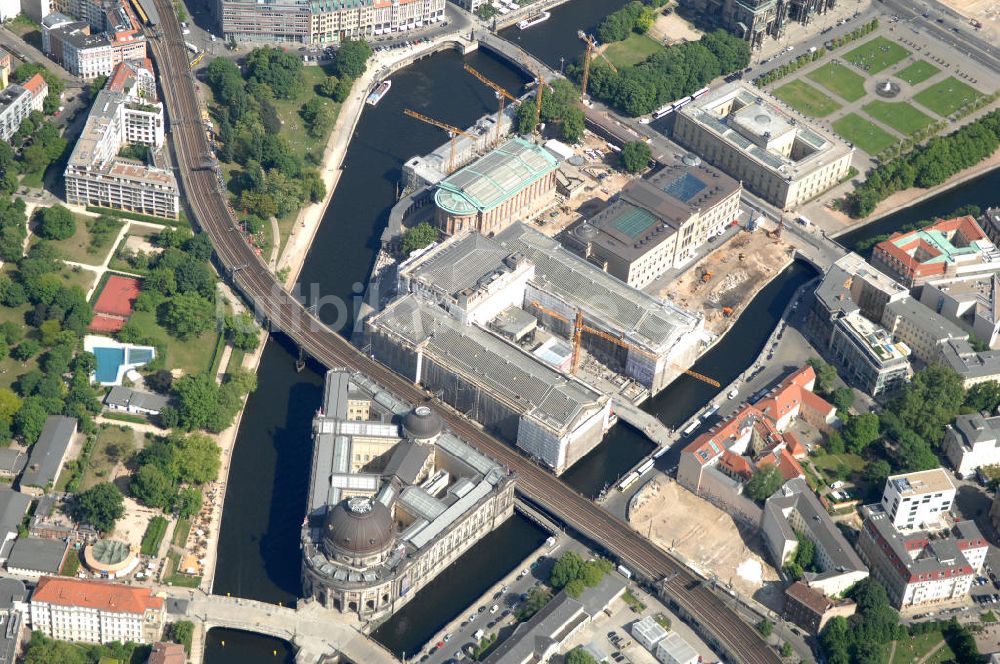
(107, 35)
(918, 500)
(123, 114)
(18, 101)
(95, 612)
(324, 21)
(971, 442)
(742, 131)
(972, 303)
(918, 567)
(795, 510)
(659, 223)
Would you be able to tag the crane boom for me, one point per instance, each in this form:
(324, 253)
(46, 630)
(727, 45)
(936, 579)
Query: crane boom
(579, 327)
(454, 131)
(591, 46)
(500, 92)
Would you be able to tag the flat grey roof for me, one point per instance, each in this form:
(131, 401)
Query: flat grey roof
(458, 264)
(643, 319)
(13, 507)
(46, 457)
(540, 633)
(37, 554)
(556, 401)
(925, 319)
(932, 559)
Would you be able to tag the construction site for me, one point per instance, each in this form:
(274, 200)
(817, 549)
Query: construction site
(721, 284)
(706, 537)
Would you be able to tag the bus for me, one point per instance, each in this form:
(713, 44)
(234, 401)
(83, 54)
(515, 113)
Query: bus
(660, 452)
(699, 93)
(682, 102)
(191, 47)
(691, 428)
(629, 480)
(646, 466)
(663, 111)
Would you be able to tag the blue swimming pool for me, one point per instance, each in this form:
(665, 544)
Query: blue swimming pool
(108, 361)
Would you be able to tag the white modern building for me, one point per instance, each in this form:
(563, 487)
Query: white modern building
(918, 500)
(123, 114)
(95, 612)
(18, 101)
(971, 442)
(673, 649)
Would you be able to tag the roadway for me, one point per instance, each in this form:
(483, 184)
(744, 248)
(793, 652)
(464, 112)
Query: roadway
(208, 205)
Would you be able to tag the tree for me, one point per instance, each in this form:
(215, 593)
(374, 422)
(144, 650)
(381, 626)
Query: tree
(328, 86)
(10, 403)
(152, 487)
(764, 482)
(181, 632)
(318, 116)
(197, 458)
(188, 315)
(26, 350)
(835, 641)
(635, 156)
(100, 506)
(43, 650)
(860, 432)
(343, 89)
(913, 454)
(826, 375)
(418, 237)
(579, 656)
(572, 125)
(352, 58)
(524, 117)
(574, 588)
(537, 598)
(281, 72)
(932, 399)
(786, 649)
(843, 399)
(188, 502)
(54, 223)
(765, 627)
(983, 396)
(877, 472)
(566, 569)
(835, 443)
(29, 420)
(242, 331)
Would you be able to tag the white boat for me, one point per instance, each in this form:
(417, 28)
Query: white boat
(380, 91)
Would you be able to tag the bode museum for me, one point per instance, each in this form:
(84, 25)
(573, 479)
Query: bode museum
(393, 499)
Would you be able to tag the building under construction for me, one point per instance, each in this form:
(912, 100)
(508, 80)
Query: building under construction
(522, 274)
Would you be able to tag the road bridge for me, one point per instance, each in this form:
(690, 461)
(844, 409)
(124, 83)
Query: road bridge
(207, 199)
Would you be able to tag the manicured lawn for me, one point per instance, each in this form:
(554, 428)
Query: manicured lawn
(174, 578)
(829, 462)
(632, 51)
(918, 72)
(875, 55)
(292, 129)
(191, 356)
(181, 530)
(840, 80)
(806, 99)
(854, 128)
(901, 116)
(77, 276)
(913, 648)
(153, 536)
(81, 248)
(947, 96)
(102, 459)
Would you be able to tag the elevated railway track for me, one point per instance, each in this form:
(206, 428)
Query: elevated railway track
(247, 272)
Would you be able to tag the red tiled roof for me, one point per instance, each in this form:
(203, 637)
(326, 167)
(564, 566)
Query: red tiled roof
(735, 464)
(112, 597)
(35, 85)
(167, 653)
(118, 296)
(795, 446)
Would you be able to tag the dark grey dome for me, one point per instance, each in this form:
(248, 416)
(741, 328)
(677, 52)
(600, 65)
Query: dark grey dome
(358, 526)
(421, 423)
(585, 231)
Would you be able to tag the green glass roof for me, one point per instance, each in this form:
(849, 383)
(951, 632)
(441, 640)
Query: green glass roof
(495, 177)
(634, 222)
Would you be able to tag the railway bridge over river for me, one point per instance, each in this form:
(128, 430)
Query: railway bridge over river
(207, 201)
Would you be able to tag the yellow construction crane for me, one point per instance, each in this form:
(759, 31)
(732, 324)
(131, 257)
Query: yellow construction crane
(538, 96)
(579, 328)
(500, 93)
(453, 132)
(586, 61)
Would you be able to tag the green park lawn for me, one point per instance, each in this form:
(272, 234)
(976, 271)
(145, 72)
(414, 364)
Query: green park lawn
(191, 356)
(901, 116)
(806, 99)
(854, 128)
(947, 96)
(632, 50)
(840, 80)
(875, 55)
(76, 276)
(80, 249)
(10, 368)
(914, 648)
(100, 463)
(918, 72)
(826, 463)
(293, 129)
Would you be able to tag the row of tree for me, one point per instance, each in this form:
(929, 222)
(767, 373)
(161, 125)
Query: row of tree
(559, 105)
(807, 58)
(864, 637)
(667, 75)
(171, 469)
(928, 165)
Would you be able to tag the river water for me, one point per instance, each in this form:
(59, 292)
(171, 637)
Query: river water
(258, 548)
